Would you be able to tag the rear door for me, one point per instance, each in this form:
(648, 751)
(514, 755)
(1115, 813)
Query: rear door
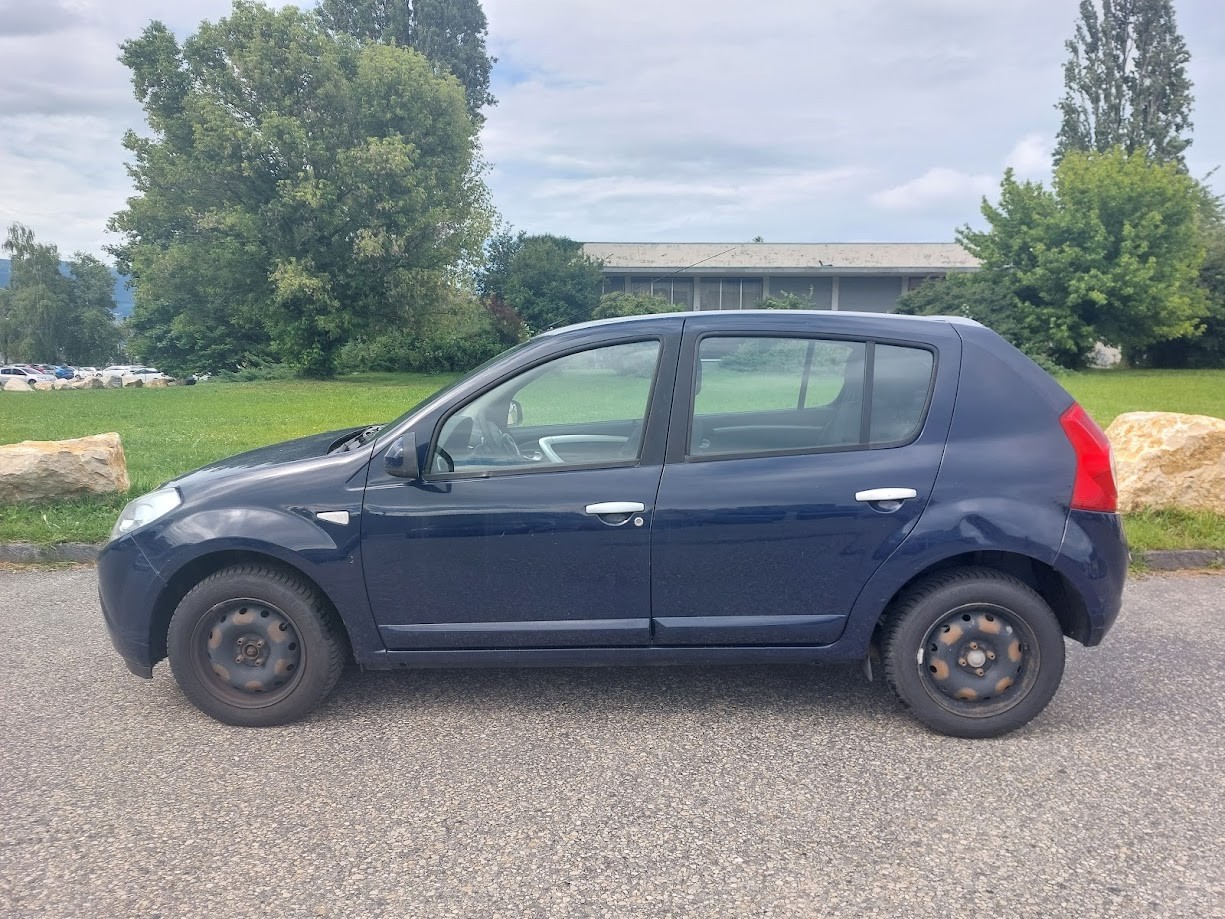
(798, 459)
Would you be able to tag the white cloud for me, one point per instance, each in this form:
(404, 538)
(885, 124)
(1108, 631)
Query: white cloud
(1031, 157)
(935, 187)
(687, 119)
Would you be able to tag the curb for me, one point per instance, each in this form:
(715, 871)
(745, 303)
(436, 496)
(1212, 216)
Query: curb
(26, 553)
(1179, 559)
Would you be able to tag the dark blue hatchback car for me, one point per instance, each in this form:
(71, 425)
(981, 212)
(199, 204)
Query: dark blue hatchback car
(690, 488)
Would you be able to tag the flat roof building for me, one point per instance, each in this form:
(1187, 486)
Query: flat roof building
(868, 277)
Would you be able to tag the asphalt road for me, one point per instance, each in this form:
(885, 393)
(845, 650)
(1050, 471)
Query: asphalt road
(640, 792)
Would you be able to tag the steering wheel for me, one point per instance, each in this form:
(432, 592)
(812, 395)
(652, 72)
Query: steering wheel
(496, 442)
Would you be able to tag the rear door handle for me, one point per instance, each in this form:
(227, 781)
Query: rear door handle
(873, 495)
(615, 507)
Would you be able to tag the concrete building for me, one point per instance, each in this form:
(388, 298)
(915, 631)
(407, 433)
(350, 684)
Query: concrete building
(836, 276)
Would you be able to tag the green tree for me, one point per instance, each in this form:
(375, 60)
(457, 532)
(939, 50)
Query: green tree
(38, 302)
(548, 280)
(299, 189)
(1125, 81)
(1112, 252)
(500, 251)
(986, 297)
(451, 33)
(47, 315)
(1207, 349)
(96, 336)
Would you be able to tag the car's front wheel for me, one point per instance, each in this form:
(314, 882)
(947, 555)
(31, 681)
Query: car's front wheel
(973, 652)
(255, 646)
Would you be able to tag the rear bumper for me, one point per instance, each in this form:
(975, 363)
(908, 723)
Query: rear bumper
(128, 588)
(1094, 557)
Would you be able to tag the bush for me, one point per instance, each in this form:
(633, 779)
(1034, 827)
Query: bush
(785, 302)
(399, 352)
(256, 372)
(620, 304)
(985, 297)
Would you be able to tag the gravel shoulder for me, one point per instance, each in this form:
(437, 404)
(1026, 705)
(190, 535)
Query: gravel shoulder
(786, 791)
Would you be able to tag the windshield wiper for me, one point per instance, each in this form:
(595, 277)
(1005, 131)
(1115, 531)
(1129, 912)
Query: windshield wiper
(360, 439)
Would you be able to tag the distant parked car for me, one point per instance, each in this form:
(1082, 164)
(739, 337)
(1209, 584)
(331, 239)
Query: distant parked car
(28, 374)
(85, 373)
(134, 370)
(65, 372)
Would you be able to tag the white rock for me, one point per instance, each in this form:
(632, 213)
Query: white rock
(61, 384)
(133, 382)
(36, 470)
(44, 386)
(1169, 460)
(17, 386)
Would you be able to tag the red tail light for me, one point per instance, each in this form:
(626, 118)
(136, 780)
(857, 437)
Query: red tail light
(1094, 488)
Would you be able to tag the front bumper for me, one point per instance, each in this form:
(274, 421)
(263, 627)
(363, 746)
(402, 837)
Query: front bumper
(128, 588)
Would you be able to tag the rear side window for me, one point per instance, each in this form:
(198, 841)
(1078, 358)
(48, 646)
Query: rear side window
(758, 394)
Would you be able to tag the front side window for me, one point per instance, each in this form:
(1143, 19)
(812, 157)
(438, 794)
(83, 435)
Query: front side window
(764, 394)
(587, 408)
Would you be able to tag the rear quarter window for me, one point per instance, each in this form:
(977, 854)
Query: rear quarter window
(901, 383)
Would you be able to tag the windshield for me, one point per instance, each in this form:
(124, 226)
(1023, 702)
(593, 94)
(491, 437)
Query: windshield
(446, 389)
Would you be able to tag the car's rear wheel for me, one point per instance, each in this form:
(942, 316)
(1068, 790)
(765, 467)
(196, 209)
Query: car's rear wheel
(255, 646)
(973, 652)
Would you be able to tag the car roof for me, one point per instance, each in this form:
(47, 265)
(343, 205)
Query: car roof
(733, 318)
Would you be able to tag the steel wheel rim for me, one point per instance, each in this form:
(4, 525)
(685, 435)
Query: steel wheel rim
(248, 652)
(979, 660)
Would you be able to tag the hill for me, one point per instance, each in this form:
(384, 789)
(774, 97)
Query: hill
(123, 294)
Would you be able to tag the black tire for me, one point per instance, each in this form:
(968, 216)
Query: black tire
(255, 646)
(973, 652)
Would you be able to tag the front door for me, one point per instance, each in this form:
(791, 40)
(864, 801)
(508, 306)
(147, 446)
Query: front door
(766, 527)
(531, 524)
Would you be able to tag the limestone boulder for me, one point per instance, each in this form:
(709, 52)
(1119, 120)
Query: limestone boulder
(132, 382)
(44, 386)
(156, 383)
(89, 383)
(61, 384)
(1169, 460)
(38, 470)
(112, 381)
(17, 386)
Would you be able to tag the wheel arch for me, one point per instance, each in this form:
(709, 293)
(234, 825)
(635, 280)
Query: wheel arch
(1058, 592)
(199, 568)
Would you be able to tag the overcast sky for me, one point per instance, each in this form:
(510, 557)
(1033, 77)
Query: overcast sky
(690, 120)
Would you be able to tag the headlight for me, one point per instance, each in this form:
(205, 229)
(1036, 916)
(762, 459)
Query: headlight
(146, 509)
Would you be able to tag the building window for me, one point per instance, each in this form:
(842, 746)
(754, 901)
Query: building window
(731, 293)
(676, 290)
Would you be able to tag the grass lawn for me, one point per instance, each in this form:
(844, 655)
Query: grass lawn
(167, 432)
(1108, 393)
(170, 431)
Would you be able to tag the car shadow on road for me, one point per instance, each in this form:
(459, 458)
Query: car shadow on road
(654, 691)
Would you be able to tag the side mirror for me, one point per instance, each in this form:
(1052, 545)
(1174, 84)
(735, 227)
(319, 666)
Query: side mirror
(400, 460)
(514, 414)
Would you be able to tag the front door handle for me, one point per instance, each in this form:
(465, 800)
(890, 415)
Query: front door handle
(873, 495)
(615, 507)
